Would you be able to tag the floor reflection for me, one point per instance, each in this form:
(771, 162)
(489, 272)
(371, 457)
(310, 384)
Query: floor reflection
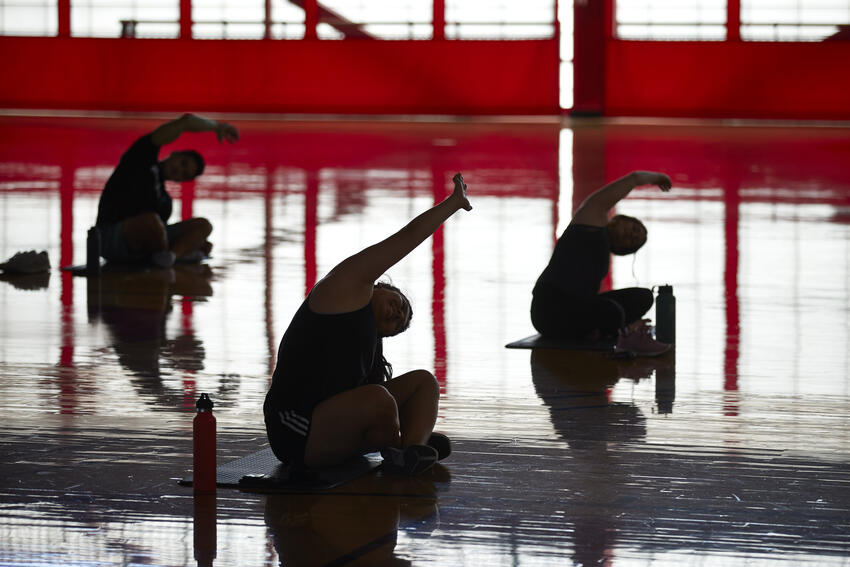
(576, 388)
(731, 452)
(135, 305)
(357, 526)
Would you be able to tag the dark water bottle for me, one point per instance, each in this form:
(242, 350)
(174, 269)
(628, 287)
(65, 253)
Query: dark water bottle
(203, 429)
(93, 252)
(665, 315)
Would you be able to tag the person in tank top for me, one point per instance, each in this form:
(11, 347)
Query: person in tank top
(566, 302)
(333, 395)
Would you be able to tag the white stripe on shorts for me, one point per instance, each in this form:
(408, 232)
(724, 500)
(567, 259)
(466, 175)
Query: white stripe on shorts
(295, 422)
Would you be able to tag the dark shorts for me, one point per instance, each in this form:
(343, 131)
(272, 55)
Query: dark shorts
(287, 430)
(113, 247)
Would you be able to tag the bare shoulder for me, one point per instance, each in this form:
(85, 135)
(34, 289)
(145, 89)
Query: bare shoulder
(590, 214)
(336, 294)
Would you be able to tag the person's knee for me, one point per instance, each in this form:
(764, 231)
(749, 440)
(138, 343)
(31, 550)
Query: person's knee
(145, 232)
(645, 298)
(202, 226)
(427, 383)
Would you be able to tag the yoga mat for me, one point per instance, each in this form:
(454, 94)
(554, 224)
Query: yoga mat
(261, 471)
(538, 341)
(81, 269)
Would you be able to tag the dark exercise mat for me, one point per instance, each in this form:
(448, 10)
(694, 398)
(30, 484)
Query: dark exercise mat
(538, 341)
(262, 471)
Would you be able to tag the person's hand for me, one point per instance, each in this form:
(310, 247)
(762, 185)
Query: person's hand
(226, 132)
(652, 178)
(460, 192)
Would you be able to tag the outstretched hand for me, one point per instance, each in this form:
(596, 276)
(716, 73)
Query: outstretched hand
(652, 178)
(460, 192)
(226, 132)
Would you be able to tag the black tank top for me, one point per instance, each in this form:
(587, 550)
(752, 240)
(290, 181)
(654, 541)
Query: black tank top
(579, 262)
(322, 355)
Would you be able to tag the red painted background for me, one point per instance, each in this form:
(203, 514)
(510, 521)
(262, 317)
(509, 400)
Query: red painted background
(728, 79)
(710, 79)
(369, 77)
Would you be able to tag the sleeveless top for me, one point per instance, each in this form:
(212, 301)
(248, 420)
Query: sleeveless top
(324, 354)
(579, 262)
(135, 186)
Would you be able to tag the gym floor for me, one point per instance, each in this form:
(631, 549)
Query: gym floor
(734, 450)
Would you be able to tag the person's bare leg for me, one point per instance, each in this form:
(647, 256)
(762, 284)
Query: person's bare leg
(144, 234)
(193, 236)
(417, 395)
(351, 423)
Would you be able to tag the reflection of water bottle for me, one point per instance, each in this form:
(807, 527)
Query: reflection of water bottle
(93, 252)
(204, 524)
(665, 385)
(203, 471)
(665, 315)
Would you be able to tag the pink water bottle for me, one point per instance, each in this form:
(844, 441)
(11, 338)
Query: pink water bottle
(203, 471)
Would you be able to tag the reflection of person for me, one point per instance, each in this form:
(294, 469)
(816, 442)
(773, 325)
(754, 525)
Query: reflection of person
(135, 308)
(332, 396)
(352, 528)
(135, 206)
(566, 300)
(575, 385)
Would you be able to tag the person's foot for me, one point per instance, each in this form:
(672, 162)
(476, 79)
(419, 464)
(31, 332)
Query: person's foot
(441, 444)
(638, 341)
(29, 262)
(163, 259)
(193, 257)
(412, 460)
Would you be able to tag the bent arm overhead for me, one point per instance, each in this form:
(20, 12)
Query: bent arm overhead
(170, 131)
(594, 210)
(349, 285)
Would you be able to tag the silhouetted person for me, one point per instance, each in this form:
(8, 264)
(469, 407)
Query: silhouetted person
(566, 300)
(135, 206)
(332, 395)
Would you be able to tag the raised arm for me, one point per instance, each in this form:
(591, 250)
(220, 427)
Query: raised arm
(348, 286)
(170, 131)
(594, 210)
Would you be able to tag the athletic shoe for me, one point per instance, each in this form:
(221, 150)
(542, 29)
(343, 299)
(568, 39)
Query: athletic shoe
(193, 257)
(412, 460)
(163, 259)
(29, 262)
(441, 444)
(639, 342)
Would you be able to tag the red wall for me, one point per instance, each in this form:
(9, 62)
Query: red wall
(451, 77)
(728, 79)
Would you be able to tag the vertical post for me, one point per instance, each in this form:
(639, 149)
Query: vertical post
(267, 33)
(439, 20)
(311, 19)
(733, 20)
(591, 33)
(185, 19)
(63, 9)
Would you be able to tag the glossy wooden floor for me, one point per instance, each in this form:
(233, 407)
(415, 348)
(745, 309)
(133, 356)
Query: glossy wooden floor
(733, 451)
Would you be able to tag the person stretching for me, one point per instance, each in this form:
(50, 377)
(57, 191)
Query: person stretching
(332, 395)
(566, 302)
(135, 206)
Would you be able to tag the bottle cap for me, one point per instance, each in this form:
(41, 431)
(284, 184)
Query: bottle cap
(204, 402)
(667, 288)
